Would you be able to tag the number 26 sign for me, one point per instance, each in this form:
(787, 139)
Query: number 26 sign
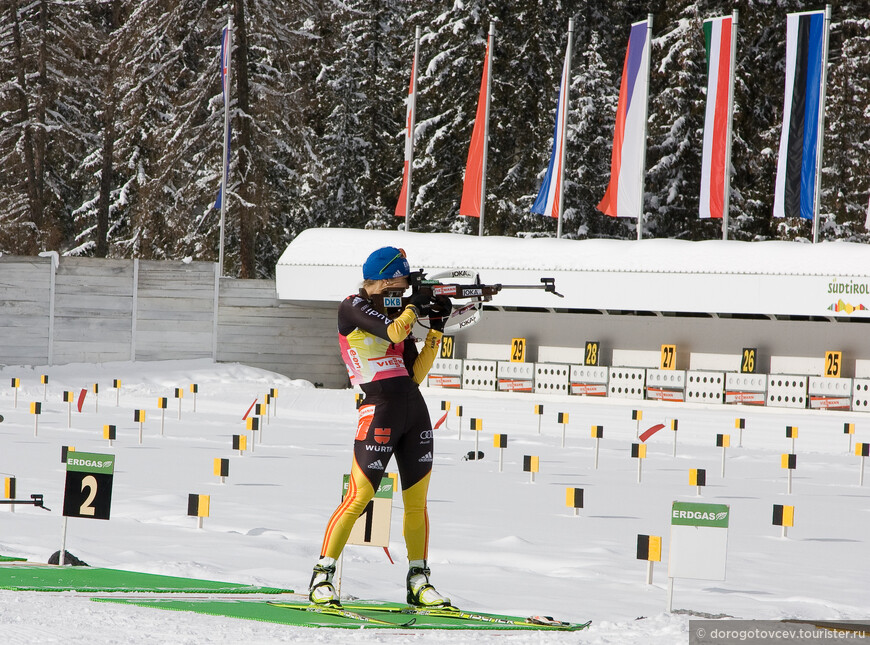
(88, 490)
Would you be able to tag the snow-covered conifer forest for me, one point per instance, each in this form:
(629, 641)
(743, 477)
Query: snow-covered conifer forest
(111, 119)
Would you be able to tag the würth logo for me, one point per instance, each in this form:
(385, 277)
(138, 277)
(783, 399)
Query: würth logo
(382, 435)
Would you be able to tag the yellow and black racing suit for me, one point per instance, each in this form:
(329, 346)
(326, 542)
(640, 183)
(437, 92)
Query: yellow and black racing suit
(383, 360)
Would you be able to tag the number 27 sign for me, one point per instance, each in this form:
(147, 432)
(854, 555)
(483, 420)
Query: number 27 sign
(88, 491)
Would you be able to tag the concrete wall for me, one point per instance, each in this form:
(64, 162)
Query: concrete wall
(95, 310)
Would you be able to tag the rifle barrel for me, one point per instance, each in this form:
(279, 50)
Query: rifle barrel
(548, 284)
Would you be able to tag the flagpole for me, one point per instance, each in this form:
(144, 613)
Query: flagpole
(732, 67)
(817, 198)
(225, 160)
(412, 118)
(564, 127)
(649, 25)
(489, 47)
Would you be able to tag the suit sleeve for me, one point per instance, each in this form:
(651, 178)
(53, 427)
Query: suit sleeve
(357, 313)
(430, 352)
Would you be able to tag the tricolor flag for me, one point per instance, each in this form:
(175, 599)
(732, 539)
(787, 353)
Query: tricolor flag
(799, 144)
(404, 205)
(624, 195)
(718, 36)
(475, 167)
(549, 200)
(225, 79)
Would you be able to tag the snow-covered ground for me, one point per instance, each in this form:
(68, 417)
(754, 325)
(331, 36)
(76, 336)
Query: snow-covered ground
(499, 542)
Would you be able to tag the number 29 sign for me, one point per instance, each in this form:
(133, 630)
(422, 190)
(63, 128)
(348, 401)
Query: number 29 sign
(88, 490)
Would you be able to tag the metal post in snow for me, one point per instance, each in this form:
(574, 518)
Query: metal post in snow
(61, 556)
(489, 47)
(225, 157)
(727, 203)
(821, 132)
(564, 127)
(649, 26)
(412, 118)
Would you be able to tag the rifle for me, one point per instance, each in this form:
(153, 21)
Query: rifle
(475, 291)
(483, 292)
(36, 500)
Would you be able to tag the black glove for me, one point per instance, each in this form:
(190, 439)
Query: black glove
(439, 312)
(420, 302)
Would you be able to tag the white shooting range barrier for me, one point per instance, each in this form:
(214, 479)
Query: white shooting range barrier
(589, 380)
(515, 377)
(787, 391)
(552, 378)
(705, 378)
(445, 372)
(794, 382)
(479, 374)
(861, 386)
(861, 394)
(479, 370)
(553, 369)
(626, 382)
(705, 387)
(830, 393)
(628, 373)
(666, 385)
(745, 388)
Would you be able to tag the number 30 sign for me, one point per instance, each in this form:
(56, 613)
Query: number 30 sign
(88, 491)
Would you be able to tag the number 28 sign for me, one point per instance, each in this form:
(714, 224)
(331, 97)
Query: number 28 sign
(88, 491)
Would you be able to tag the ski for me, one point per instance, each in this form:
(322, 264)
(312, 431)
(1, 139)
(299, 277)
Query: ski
(342, 612)
(453, 612)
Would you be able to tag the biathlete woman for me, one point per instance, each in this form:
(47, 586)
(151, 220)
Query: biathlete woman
(382, 358)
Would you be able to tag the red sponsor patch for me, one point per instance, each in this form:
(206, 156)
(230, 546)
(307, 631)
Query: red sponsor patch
(382, 435)
(366, 413)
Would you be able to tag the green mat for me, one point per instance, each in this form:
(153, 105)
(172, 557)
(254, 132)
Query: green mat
(48, 577)
(262, 611)
(9, 558)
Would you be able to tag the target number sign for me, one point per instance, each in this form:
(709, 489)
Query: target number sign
(88, 490)
(447, 347)
(590, 355)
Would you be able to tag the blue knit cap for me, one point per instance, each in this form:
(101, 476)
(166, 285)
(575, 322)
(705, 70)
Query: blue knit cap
(385, 263)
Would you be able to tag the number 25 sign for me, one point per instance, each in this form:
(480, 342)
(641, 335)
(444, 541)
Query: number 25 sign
(88, 491)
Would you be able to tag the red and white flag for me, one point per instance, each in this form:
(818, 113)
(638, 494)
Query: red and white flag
(718, 35)
(403, 207)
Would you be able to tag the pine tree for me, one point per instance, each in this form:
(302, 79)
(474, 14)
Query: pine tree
(45, 120)
(455, 44)
(111, 121)
(344, 146)
(675, 129)
(845, 184)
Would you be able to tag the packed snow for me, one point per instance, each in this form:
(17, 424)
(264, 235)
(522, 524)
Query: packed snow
(500, 542)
